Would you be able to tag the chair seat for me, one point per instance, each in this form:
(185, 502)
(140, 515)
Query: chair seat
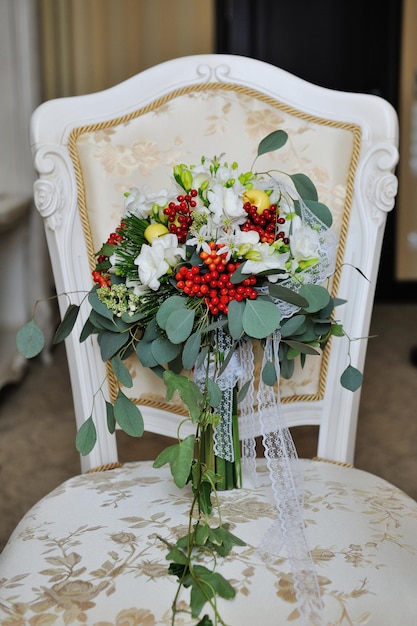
(95, 556)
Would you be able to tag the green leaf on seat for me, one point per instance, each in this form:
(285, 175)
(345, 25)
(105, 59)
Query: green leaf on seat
(205, 584)
(86, 437)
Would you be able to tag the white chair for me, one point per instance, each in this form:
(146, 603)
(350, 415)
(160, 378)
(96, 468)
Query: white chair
(89, 552)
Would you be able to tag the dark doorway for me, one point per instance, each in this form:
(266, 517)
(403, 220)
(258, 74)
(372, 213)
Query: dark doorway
(350, 45)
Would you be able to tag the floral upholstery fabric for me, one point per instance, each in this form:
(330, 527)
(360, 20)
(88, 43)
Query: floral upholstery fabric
(91, 551)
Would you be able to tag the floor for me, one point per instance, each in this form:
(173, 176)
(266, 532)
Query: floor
(37, 429)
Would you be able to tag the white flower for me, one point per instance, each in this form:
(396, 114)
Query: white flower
(157, 259)
(264, 257)
(201, 238)
(304, 241)
(226, 206)
(239, 242)
(141, 204)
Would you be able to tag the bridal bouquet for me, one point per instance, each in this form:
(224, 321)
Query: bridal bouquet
(188, 281)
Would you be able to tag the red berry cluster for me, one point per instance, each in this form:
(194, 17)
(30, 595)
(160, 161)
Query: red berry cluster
(100, 277)
(266, 224)
(213, 282)
(179, 214)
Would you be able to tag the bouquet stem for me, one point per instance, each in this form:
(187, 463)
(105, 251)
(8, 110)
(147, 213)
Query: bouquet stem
(230, 472)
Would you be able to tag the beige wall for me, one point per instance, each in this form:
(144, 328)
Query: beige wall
(406, 208)
(88, 45)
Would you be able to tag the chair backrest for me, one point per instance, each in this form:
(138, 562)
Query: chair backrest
(88, 150)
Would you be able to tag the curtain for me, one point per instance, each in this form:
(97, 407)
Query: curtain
(89, 45)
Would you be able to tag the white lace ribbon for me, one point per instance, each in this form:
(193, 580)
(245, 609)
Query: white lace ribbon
(288, 531)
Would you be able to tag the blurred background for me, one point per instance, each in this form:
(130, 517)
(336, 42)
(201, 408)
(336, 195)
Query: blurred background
(58, 48)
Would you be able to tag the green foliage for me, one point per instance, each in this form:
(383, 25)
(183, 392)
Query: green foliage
(189, 392)
(30, 340)
(179, 457)
(351, 378)
(260, 318)
(128, 415)
(86, 437)
(273, 141)
(67, 324)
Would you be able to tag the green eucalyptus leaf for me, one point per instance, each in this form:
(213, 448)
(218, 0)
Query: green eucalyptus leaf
(321, 211)
(128, 415)
(202, 356)
(180, 324)
(164, 351)
(303, 348)
(287, 295)
(292, 325)
(67, 324)
(191, 350)
(304, 186)
(86, 437)
(121, 372)
(238, 276)
(220, 323)
(269, 374)
(100, 322)
(167, 307)
(145, 354)
(273, 141)
(215, 394)
(87, 330)
(152, 331)
(111, 420)
(351, 378)
(110, 343)
(260, 318)
(243, 391)
(287, 367)
(234, 318)
(317, 296)
(30, 340)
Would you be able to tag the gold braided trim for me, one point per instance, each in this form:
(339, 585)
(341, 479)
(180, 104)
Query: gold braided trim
(224, 87)
(322, 460)
(104, 468)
